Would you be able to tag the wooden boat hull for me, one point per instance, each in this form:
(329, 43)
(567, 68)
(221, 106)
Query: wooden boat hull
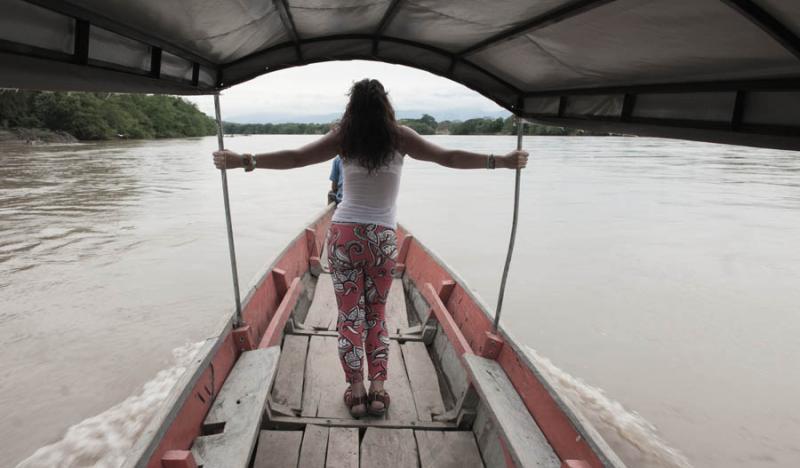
(450, 319)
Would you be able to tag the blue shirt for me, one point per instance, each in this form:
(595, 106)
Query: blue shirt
(337, 175)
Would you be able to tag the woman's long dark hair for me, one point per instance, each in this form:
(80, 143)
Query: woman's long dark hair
(368, 129)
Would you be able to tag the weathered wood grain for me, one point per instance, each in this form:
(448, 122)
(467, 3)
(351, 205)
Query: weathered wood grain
(448, 449)
(396, 313)
(389, 448)
(423, 379)
(524, 439)
(288, 388)
(277, 420)
(314, 448)
(342, 448)
(488, 438)
(323, 311)
(324, 380)
(449, 363)
(323, 258)
(278, 449)
(401, 406)
(238, 408)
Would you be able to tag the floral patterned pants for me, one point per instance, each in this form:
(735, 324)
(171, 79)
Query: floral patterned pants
(362, 259)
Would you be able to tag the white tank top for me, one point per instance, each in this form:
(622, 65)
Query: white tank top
(370, 198)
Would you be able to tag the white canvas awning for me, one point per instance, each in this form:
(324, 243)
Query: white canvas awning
(712, 70)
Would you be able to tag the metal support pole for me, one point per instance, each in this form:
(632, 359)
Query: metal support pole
(520, 130)
(234, 269)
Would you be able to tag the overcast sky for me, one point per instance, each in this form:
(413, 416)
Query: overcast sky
(321, 88)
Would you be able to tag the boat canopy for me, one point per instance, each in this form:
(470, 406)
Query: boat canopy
(712, 70)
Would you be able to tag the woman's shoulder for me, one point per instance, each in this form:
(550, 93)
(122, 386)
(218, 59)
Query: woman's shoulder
(406, 136)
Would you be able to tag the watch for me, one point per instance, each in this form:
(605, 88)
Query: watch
(249, 162)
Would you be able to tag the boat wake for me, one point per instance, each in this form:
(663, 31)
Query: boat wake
(103, 441)
(631, 436)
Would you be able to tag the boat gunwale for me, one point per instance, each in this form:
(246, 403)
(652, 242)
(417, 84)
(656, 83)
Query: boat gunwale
(583, 426)
(145, 446)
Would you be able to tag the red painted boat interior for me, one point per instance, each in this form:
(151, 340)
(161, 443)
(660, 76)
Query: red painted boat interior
(465, 322)
(257, 311)
(473, 322)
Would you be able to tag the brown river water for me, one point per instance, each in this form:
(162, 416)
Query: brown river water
(656, 280)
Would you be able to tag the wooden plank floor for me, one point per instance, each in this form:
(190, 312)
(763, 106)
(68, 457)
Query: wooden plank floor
(310, 381)
(322, 313)
(340, 447)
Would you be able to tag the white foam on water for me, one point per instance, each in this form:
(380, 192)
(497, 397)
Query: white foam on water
(631, 436)
(103, 441)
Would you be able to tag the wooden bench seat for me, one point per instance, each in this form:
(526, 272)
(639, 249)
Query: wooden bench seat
(525, 442)
(237, 411)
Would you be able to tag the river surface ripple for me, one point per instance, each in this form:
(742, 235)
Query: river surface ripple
(663, 272)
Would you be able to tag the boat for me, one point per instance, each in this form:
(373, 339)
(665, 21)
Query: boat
(265, 388)
(270, 393)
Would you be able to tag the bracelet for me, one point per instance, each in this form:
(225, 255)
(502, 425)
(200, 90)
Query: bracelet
(249, 162)
(490, 162)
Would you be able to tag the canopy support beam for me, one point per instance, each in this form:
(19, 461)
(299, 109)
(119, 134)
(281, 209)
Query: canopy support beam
(288, 23)
(256, 56)
(520, 133)
(385, 21)
(773, 84)
(232, 250)
(551, 17)
(759, 17)
(79, 13)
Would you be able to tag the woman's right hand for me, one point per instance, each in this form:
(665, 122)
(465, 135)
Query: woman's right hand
(225, 159)
(516, 159)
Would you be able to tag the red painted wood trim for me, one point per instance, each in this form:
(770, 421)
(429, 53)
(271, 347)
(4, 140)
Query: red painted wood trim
(575, 464)
(189, 421)
(281, 279)
(274, 331)
(472, 322)
(446, 289)
(311, 239)
(243, 336)
(178, 459)
(404, 246)
(446, 320)
(492, 346)
(555, 425)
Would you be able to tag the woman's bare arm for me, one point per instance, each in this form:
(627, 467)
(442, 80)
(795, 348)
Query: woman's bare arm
(317, 151)
(419, 148)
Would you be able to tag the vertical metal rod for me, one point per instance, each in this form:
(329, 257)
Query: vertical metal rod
(234, 269)
(520, 130)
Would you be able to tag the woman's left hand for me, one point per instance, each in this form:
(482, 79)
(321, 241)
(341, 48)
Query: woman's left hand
(227, 159)
(516, 159)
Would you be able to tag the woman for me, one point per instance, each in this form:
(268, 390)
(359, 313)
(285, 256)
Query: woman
(361, 239)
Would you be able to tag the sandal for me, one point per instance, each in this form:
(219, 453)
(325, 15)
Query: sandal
(351, 402)
(381, 396)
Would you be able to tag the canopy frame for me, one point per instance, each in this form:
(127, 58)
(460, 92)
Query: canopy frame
(210, 76)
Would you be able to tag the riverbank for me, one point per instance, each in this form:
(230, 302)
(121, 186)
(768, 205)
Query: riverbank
(34, 136)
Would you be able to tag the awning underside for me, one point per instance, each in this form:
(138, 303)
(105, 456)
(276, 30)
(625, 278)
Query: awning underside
(714, 70)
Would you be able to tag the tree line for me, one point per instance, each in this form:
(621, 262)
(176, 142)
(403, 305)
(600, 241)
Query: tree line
(427, 125)
(103, 116)
(289, 128)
